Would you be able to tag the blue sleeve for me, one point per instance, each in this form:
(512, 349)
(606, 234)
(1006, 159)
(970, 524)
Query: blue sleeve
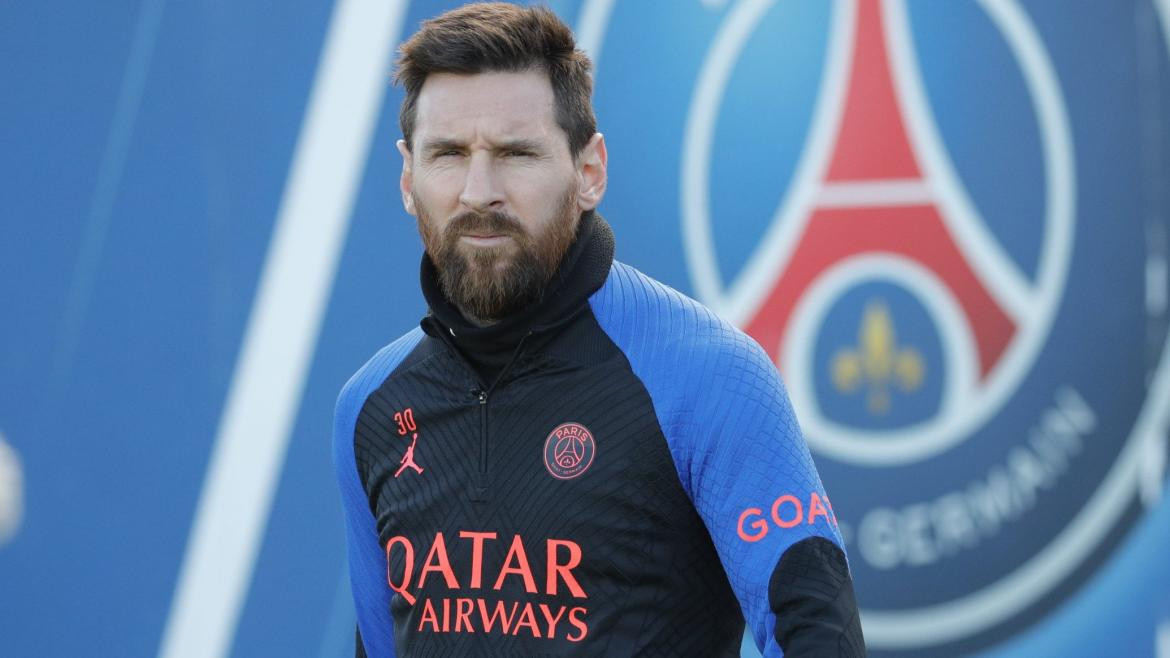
(367, 561)
(735, 441)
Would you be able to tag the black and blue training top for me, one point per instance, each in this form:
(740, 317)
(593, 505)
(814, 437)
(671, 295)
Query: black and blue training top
(616, 471)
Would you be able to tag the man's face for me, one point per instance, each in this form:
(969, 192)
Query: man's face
(495, 189)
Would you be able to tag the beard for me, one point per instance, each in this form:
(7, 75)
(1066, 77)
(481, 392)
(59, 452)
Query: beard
(487, 283)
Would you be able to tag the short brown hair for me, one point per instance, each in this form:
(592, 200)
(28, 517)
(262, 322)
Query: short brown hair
(497, 36)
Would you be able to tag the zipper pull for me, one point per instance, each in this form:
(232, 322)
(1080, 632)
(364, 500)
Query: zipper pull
(480, 395)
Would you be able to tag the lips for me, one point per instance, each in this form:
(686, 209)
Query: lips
(485, 239)
(485, 226)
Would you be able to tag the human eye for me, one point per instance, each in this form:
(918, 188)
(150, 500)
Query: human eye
(518, 151)
(443, 158)
(443, 151)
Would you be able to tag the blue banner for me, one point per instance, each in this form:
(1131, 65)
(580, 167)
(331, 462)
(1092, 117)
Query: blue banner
(948, 224)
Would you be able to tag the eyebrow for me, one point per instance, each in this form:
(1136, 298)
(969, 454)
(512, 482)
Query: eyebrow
(442, 144)
(439, 144)
(519, 145)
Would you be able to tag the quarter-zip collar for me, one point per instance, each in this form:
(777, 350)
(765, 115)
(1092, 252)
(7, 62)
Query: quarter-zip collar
(491, 349)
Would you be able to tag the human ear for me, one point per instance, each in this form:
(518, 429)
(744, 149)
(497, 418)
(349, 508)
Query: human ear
(406, 180)
(591, 172)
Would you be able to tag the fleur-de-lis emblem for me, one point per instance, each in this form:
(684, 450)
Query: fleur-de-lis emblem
(878, 363)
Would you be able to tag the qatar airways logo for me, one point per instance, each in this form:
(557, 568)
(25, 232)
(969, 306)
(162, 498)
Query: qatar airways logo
(478, 602)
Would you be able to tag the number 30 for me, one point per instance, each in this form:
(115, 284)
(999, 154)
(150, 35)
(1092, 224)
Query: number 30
(405, 421)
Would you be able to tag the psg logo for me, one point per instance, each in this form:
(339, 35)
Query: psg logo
(568, 451)
(958, 281)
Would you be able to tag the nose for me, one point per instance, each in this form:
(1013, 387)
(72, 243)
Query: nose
(481, 189)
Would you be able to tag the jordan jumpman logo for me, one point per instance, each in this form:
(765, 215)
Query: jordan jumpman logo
(408, 458)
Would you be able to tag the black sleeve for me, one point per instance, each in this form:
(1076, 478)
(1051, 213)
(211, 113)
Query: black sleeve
(811, 593)
(359, 648)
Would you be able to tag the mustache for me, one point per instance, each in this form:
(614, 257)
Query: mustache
(492, 222)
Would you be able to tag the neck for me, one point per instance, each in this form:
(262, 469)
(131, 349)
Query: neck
(488, 342)
(478, 322)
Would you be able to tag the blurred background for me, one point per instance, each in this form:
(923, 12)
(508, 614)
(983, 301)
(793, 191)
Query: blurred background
(948, 222)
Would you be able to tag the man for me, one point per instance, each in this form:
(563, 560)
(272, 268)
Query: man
(567, 458)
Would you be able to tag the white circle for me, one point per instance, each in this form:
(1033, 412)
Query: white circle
(1022, 587)
(11, 492)
(1032, 307)
(808, 317)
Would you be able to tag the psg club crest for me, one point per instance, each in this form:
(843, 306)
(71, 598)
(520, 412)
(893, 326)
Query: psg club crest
(967, 303)
(568, 451)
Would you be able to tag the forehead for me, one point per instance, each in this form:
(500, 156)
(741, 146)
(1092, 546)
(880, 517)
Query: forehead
(492, 105)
